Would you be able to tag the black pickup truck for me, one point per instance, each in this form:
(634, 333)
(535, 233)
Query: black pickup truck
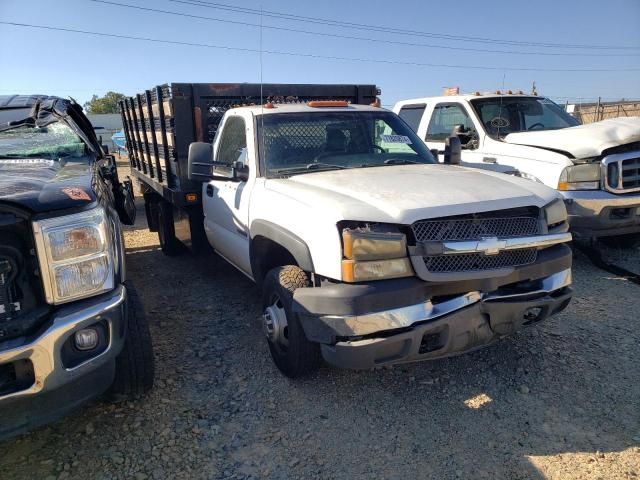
(71, 326)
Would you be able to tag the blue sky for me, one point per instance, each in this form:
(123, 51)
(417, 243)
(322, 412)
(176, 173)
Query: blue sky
(71, 64)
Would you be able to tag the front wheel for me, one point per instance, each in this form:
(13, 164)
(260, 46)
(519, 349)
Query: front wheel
(135, 364)
(292, 353)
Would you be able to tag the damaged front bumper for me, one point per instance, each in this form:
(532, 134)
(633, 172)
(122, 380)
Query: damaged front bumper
(364, 335)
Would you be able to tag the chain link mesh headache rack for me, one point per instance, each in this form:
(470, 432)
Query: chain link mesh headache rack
(160, 124)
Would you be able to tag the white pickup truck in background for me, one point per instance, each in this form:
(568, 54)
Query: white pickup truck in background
(596, 167)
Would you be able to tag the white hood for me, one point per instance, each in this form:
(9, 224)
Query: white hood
(584, 140)
(406, 193)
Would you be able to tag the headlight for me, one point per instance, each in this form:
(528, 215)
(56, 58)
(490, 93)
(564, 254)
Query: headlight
(555, 212)
(75, 255)
(374, 255)
(580, 177)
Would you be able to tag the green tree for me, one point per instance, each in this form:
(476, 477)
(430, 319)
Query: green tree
(106, 104)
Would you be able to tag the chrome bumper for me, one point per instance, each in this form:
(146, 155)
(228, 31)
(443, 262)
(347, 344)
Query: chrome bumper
(44, 351)
(601, 213)
(360, 325)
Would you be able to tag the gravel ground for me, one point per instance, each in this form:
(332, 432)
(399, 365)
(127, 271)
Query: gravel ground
(557, 401)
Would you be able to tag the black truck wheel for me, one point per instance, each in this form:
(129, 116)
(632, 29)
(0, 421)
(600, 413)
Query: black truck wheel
(292, 353)
(169, 244)
(135, 364)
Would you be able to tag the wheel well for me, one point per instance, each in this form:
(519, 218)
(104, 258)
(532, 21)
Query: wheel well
(267, 254)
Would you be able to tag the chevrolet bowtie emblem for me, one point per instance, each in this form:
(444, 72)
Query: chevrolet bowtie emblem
(491, 245)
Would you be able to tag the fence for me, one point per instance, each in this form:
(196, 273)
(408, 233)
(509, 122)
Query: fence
(594, 112)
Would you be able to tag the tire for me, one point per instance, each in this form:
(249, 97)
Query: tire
(135, 364)
(293, 354)
(630, 240)
(169, 244)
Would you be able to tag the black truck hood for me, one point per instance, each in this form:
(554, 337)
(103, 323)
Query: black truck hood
(42, 185)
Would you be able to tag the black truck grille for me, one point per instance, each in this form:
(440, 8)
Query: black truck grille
(473, 229)
(521, 222)
(473, 262)
(8, 306)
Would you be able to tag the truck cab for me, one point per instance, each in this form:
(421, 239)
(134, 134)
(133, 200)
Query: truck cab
(595, 167)
(71, 324)
(367, 250)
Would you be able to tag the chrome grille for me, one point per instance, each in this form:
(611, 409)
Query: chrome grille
(622, 172)
(473, 262)
(474, 228)
(631, 173)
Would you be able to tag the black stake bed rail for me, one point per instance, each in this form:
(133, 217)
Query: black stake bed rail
(161, 123)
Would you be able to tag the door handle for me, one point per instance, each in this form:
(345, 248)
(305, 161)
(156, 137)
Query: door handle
(210, 190)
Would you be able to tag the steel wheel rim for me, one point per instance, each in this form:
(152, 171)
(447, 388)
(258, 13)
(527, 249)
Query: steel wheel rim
(274, 323)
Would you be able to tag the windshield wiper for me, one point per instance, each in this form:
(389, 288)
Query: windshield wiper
(316, 165)
(399, 161)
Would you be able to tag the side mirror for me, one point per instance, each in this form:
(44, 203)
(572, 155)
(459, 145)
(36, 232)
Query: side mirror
(452, 151)
(200, 161)
(240, 171)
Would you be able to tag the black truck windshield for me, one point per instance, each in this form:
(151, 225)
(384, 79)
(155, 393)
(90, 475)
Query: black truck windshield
(503, 115)
(293, 143)
(51, 142)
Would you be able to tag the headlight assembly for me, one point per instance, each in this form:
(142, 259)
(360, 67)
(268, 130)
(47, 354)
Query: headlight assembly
(372, 255)
(75, 255)
(555, 213)
(580, 177)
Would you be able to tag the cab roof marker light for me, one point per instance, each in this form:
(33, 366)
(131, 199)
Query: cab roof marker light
(327, 103)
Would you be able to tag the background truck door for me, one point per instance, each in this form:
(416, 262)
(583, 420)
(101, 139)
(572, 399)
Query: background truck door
(226, 202)
(444, 117)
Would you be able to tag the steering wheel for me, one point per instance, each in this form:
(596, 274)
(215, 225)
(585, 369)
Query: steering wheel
(532, 127)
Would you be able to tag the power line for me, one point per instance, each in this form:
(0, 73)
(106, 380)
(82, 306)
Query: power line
(312, 55)
(379, 28)
(348, 37)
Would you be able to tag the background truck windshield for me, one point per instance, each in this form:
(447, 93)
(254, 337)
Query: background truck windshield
(503, 115)
(293, 143)
(51, 142)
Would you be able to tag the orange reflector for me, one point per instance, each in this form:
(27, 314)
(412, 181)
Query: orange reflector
(375, 103)
(347, 271)
(191, 197)
(520, 92)
(498, 92)
(328, 103)
(563, 186)
(510, 92)
(269, 105)
(477, 94)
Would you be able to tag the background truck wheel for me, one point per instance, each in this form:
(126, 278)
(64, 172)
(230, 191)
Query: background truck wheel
(630, 240)
(134, 365)
(292, 353)
(166, 232)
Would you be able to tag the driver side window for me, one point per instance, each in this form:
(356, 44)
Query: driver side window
(233, 144)
(445, 117)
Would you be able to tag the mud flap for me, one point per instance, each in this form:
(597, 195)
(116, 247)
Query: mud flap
(125, 202)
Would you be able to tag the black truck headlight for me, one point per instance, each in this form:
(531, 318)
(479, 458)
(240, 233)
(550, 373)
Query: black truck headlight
(371, 255)
(76, 255)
